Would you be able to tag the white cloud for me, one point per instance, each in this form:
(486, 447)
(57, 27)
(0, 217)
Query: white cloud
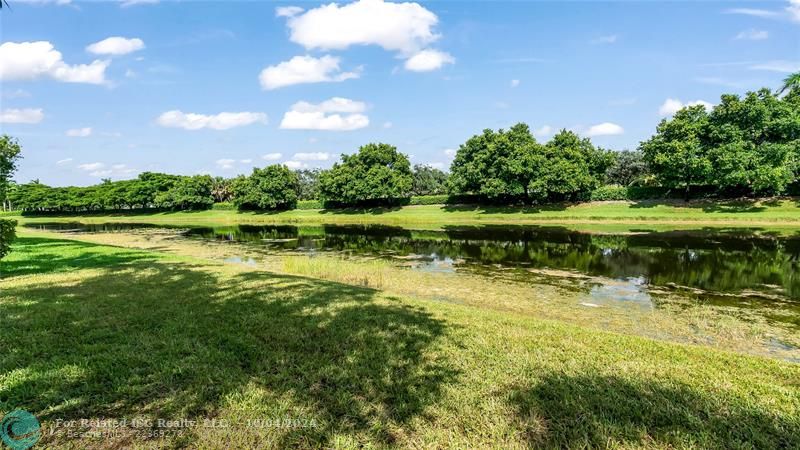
(764, 13)
(272, 156)
(317, 156)
(387, 125)
(514, 83)
(116, 45)
(450, 152)
(673, 105)
(225, 164)
(61, 162)
(27, 115)
(91, 166)
(79, 132)
(221, 121)
(437, 165)
(752, 35)
(294, 165)
(307, 116)
(403, 27)
(100, 170)
(543, 131)
(287, 11)
(304, 69)
(427, 60)
(604, 129)
(22, 61)
(794, 10)
(406, 28)
(781, 66)
(609, 39)
(128, 3)
(246, 161)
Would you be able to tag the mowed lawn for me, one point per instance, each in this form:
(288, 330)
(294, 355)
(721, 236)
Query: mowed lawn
(771, 213)
(91, 331)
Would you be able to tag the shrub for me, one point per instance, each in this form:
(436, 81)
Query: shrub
(224, 206)
(610, 192)
(429, 200)
(309, 204)
(7, 235)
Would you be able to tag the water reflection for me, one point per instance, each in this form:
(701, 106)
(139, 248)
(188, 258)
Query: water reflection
(739, 261)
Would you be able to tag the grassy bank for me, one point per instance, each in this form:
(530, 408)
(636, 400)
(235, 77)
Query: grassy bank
(772, 213)
(96, 331)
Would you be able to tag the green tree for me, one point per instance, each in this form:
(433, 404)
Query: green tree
(428, 181)
(10, 154)
(308, 180)
(790, 83)
(273, 187)
(221, 189)
(7, 235)
(509, 166)
(629, 168)
(188, 193)
(678, 153)
(376, 174)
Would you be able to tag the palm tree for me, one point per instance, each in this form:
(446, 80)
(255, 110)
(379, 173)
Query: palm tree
(791, 82)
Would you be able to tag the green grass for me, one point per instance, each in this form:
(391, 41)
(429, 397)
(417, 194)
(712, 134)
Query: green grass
(771, 213)
(95, 331)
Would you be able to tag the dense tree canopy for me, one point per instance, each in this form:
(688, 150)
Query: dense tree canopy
(376, 174)
(10, 153)
(148, 191)
(744, 146)
(428, 181)
(273, 187)
(512, 166)
(629, 168)
(308, 188)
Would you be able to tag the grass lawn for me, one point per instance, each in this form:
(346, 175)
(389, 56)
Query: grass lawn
(769, 213)
(270, 360)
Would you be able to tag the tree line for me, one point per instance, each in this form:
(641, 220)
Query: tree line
(743, 146)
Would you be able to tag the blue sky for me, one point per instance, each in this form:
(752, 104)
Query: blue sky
(306, 82)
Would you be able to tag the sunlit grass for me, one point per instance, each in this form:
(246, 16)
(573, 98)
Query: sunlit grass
(94, 331)
(597, 216)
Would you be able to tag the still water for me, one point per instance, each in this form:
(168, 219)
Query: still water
(714, 263)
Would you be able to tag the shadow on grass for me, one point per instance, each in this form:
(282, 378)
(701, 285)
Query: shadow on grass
(50, 257)
(175, 340)
(490, 209)
(712, 206)
(605, 411)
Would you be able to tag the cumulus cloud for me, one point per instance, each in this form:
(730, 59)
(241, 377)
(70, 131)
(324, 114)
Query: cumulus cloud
(304, 69)
(794, 10)
(335, 114)
(673, 105)
(98, 170)
(79, 132)
(604, 129)
(26, 115)
(752, 35)
(406, 28)
(116, 46)
(315, 156)
(543, 131)
(287, 11)
(225, 164)
(22, 61)
(221, 121)
(294, 165)
(272, 156)
(427, 60)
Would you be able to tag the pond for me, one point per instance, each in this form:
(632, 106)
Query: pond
(741, 267)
